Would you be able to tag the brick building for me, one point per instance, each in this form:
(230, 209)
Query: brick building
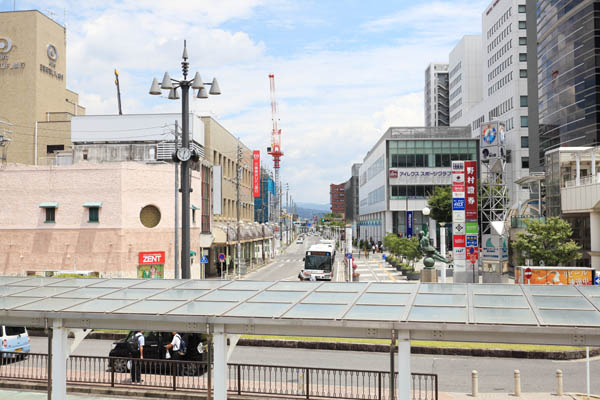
(337, 198)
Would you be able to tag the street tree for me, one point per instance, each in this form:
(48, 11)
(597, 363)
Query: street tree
(440, 204)
(548, 241)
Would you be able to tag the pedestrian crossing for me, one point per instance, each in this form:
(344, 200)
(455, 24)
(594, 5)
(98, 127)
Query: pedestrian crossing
(375, 269)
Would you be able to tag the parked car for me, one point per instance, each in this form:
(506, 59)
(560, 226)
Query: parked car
(299, 240)
(14, 339)
(154, 349)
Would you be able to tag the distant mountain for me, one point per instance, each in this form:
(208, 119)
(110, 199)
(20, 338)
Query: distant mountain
(308, 213)
(314, 206)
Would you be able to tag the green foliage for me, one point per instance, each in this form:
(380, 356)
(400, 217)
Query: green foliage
(549, 241)
(440, 204)
(403, 247)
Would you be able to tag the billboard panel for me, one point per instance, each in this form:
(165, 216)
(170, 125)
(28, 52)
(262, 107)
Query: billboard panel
(256, 173)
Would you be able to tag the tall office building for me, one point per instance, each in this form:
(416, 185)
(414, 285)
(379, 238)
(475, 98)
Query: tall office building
(35, 105)
(465, 76)
(436, 95)
(337, 198)
(568, 74)
(506, 47)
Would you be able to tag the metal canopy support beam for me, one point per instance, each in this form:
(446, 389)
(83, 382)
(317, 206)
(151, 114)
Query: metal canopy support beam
(79, 334)
(220, 362)
(58, 360)
(404, 374)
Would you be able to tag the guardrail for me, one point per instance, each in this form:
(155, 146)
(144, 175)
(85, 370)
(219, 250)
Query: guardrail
(268, 380)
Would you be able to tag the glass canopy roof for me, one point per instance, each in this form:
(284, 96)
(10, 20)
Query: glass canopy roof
(573, 306)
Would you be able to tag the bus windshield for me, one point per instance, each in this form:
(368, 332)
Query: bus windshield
(318, 262)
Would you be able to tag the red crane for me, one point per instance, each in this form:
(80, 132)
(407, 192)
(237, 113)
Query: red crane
(276, 134)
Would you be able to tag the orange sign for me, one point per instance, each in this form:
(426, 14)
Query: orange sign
(554, 276)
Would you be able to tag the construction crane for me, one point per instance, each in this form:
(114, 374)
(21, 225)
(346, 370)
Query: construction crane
(275, 151)
(118, 91)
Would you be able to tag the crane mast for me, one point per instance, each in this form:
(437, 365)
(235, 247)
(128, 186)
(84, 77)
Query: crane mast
(276, 153)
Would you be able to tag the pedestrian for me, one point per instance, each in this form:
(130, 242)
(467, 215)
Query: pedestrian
(366, 253)
(136, 365)
(174, 346)
(301, 275)
(374, 248)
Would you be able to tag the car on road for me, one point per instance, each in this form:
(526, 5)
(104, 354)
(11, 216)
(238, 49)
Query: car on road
(299, 240)
(154, 349)
(14, 339)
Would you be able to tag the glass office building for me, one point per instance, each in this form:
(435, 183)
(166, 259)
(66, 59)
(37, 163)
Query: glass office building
(568, 73)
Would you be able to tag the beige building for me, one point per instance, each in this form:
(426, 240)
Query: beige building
(91, 217)
(35, 105)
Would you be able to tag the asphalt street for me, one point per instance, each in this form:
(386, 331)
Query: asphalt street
(454, 372)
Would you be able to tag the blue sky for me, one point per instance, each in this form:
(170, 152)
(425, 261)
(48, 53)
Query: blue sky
(345, 70)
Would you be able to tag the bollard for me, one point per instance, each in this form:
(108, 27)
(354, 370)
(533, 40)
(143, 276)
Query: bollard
(517, 383)
(559, 382)
(475, 382)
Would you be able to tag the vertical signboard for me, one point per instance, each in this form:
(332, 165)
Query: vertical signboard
(471, 213)
(458, 214)
(409, 224)
(151, 265)
(256, 173)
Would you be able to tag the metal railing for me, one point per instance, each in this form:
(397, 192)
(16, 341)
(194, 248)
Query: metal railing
(291, 382)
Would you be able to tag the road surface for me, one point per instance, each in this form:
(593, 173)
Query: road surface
(495, 374)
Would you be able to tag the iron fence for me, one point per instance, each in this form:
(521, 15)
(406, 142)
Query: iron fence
(278, 380)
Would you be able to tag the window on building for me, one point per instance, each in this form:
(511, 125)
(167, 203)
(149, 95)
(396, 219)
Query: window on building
(51, 148)
(522, 56)
(523, 101)
(522, 25)
(93, 214)
(524, 142)
(50, 214)
(524, 162)
(523, 73)
(522, 8)
(524, 121)
(522, 41)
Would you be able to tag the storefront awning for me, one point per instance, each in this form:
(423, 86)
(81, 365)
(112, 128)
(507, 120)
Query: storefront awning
(249, 232)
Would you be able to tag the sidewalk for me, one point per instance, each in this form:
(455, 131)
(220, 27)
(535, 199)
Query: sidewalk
(26, 395)
(504, 396)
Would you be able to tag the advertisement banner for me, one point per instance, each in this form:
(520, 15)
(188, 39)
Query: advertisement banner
(554, 275)
(151, 257)
(393, 173)
(256, 173)
(458, 241)
(471, 190)
(471, 241)
(458, 204)
(460, 253)
(471, 227)
(151, 271)
(409, 224)
(458, 216)
(458, 228)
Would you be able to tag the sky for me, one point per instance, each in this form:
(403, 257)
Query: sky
(345, 70)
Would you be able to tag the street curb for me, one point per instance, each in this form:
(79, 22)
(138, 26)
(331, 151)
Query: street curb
(381, 348)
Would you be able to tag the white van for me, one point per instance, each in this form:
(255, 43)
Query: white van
(14, 339)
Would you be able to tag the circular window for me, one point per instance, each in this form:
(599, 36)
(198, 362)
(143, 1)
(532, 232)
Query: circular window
(150, 216)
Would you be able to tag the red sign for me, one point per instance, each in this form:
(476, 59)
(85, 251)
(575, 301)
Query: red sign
(473, 254)
(527, 273)
(151, 257)
(471, 190)
(393, 173)
(256, 173)
(459, 240)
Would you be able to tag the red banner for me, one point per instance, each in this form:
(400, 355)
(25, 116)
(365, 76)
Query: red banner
(256, 173)
(471, 190)
(151, 257)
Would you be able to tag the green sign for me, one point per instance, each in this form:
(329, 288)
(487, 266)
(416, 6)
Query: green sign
(471, 227)
(156, 271)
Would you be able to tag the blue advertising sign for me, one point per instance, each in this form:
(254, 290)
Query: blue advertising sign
(471, 240)
(458, 204)
(409, 224)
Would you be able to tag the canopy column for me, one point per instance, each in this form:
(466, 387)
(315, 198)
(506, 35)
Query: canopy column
(404, 373)
(220, 362)
(58, 359)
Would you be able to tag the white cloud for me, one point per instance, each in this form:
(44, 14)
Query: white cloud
(334, 104)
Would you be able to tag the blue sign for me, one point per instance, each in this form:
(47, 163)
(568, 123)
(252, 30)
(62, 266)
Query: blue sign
(308, 225)
(597, 280)
(458, 204)
(204, 260)
(471, 240)
(409, 224)
(221, 257)
(349, 255)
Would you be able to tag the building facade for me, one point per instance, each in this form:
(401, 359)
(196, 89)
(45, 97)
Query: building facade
(464, 76)
(35, 105)
(92, 217)
(401, 170)
(337, 198)
(263, 205)
(351, 199)
(568, 61)
(436, 95)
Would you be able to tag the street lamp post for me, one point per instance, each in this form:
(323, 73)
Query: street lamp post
(426, 212)
(184, 154)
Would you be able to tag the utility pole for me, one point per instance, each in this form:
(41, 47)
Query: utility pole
(237, 185)
(287, 211)
(176, 252)
(118, 91)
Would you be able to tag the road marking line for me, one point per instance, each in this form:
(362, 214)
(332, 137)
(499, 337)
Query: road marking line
(386, 272)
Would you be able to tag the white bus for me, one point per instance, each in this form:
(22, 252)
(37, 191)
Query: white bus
(318, 262)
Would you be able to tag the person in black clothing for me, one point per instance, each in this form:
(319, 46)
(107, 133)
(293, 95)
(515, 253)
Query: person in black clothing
(136, 367)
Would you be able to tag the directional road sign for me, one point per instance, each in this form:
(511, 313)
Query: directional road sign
(204, 260)
(349, 255)
(597, 280)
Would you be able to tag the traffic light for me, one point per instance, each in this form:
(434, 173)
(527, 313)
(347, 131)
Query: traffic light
(322, 219)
